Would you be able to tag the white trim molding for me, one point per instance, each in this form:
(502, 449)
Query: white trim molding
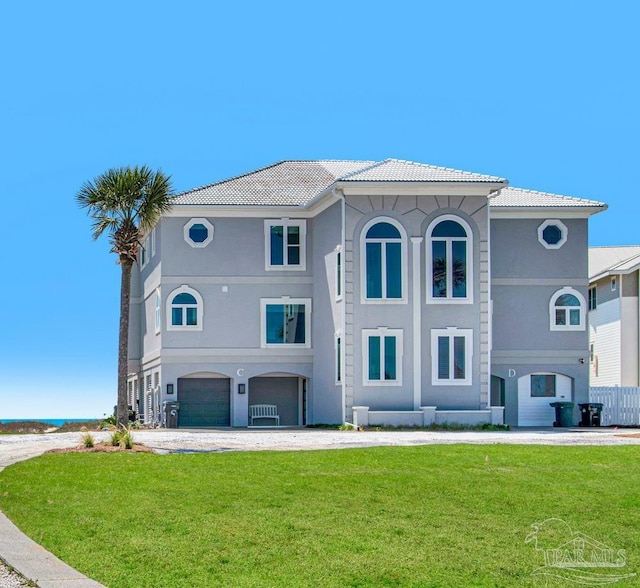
(567, 311)
(452, 334)
(286, 302)
(382, 333)
(402, 241)
(187, 232)
(469, 273)
(184, 289)
(285, 223)
(553, 222)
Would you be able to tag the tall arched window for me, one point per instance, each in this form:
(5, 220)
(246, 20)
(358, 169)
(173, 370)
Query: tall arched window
(449, 260)
(384, 254)
(184, 310)
(567, 310)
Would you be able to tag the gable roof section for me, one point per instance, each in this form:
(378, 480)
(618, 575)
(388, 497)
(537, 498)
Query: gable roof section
(520, 198)
(604, 261)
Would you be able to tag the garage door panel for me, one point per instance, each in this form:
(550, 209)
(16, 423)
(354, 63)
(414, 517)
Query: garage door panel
(204, 402)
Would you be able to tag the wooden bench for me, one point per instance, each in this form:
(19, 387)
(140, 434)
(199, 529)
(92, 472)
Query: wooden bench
(263, 411)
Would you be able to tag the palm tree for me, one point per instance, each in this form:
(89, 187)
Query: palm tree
(126, 203)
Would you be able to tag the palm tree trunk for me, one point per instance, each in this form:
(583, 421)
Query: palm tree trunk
(122, 408)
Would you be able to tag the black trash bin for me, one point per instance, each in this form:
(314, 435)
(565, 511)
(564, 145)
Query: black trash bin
(591, 414)
(585, 414)
(564, 413)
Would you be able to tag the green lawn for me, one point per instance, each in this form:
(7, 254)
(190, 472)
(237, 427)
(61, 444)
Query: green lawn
(446, 515)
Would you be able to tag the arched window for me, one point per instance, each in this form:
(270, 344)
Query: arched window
(384, 265)
(184, 310)
(567, 310)
(449, 260)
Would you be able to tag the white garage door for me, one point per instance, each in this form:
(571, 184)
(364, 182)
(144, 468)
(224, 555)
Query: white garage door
(535, 393)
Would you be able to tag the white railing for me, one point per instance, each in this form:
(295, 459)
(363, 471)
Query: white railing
(621, 404)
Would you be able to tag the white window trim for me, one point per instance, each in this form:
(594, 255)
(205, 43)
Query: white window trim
(198, 221)
(153, 241)
(429, 261)
(404, 268)
(592, 302)
(144, 253)
(452, 332)
(382, 332)
(158, 311)
(339, 357)
(264, 302)
(284, 223)
(200, 309)
(558, 223)
(339, 285)
(552, 311)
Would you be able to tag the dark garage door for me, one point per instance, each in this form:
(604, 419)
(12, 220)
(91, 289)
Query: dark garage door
(204, 402)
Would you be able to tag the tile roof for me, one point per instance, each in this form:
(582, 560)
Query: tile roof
(396, 170)
(521, 198)
(287, 183)
(613, 260)
(296, 183)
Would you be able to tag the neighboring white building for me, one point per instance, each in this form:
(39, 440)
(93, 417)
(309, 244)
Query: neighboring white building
(614, 273)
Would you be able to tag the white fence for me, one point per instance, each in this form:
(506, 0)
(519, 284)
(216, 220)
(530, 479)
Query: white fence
(621, 404)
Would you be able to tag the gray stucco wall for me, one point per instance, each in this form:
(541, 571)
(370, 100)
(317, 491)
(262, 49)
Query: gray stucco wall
(326, 404)
(525, 275)
(415, 214)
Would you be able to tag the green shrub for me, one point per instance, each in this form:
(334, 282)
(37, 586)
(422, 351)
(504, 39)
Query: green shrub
(88, 440)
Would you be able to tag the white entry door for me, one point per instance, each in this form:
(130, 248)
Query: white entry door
(535, 394)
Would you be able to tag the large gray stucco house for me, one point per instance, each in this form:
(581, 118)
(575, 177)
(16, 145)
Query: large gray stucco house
(359, 291)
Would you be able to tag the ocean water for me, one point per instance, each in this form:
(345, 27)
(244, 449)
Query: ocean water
(52, 422)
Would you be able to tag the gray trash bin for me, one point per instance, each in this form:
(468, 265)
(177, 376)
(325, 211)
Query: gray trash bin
(171, 410)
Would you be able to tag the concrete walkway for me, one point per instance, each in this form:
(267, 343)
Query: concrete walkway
(47, 571)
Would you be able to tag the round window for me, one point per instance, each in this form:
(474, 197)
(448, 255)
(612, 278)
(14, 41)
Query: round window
(198, 232)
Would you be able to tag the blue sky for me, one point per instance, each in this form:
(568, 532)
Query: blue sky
(543, 93)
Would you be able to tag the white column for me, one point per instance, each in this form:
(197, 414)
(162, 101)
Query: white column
(416, 243)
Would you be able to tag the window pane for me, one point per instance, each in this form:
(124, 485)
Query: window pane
(374, 358)
(543, 386)
(293, 235)
(439, 269)
(443, 358)
(567, 300)
(459, 365)
(277, 245)
(176, 316)
(374, 270)
(448, 228)
(339, 273)
(383, 231)
(394, 270)
(295, 324)
(293, 255)
(390, 358)
(552, 235)
(339, 360)
(561, 317)
(574, 317)
(275, 323)
(184, 298)
(192, 316)
(459, 261)
(198, 233)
